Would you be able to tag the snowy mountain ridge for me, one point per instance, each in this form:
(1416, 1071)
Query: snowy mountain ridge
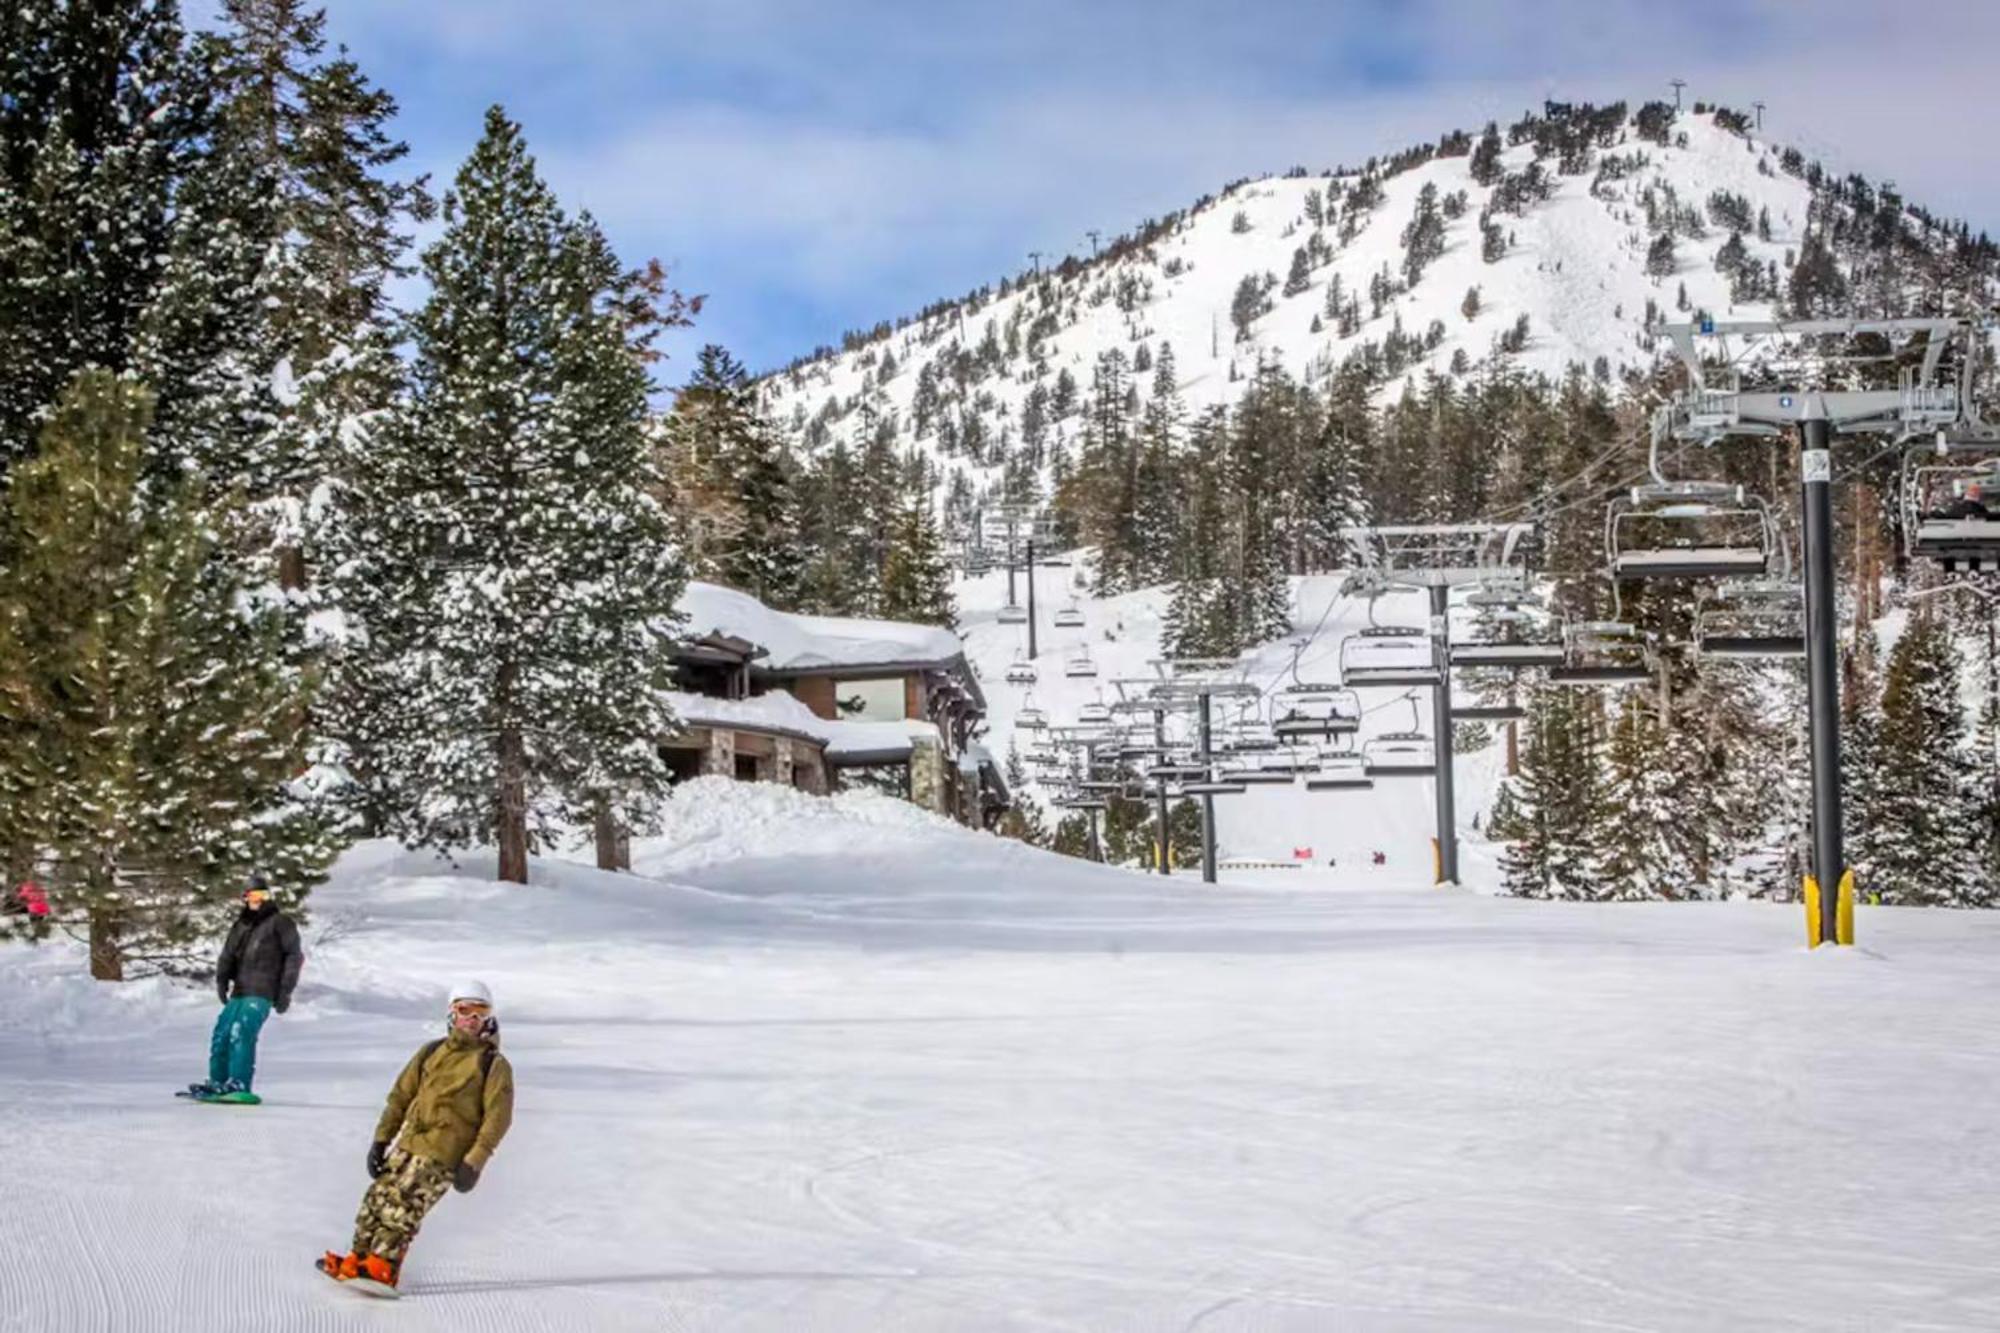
(1548, 264)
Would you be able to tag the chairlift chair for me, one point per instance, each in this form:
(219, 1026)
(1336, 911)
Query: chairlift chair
(1096, 713)
(1951, 505)
(1399, 754)
(1254, 776)
(1603, 652)
(1752, 620)
(1477, 712)
(1217, 788)
(1688, 530)
(1337, 714)
(1388, 655)
(1013, 614)
(1021, 671)
(1030, 716)
(1341, 772)
(1070, 617)
(1506, 656)
(1080, 663)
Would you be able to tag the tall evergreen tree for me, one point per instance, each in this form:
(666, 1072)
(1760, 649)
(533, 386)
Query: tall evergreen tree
(1914, 838)
(916, 581)
(153, 722)
(735, 503)
(505, 554)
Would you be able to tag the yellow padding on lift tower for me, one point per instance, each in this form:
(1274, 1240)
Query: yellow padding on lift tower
(1843, 914)
(1437, 863)
(1812, 912)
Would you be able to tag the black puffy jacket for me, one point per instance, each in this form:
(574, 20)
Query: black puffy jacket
(261, 956)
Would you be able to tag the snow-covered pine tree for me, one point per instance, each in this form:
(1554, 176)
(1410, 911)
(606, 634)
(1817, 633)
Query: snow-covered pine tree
(1913, 840)
(735, 500)
(313, 132)
(154, 720)
(1556, 802)
(506, 557)
(916, 580)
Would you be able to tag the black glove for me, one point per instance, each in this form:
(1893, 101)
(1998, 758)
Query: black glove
(222, 991)
(464, 1176)
(378, 1158)
(282, 1003)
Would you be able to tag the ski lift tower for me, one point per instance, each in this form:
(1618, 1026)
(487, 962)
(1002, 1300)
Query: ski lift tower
(1015, 529)
(1438, 558)
(1199, 682)
(1136, 697)
(1821, 378)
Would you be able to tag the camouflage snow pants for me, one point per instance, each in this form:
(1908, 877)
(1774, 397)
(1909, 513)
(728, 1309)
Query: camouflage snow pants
(395, 1205)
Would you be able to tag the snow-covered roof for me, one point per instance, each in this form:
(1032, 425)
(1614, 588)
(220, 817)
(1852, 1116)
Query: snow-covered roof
(797, 643)
(847, 743)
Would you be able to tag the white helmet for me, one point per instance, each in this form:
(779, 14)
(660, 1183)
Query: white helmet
(467, 988)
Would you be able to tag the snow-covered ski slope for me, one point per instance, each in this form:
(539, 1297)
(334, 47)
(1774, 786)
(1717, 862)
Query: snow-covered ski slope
(839, 1066)
(1396, 817)
(1576, 269)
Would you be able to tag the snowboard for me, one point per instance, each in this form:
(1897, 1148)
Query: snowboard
(366, 1285)
(222, 1099)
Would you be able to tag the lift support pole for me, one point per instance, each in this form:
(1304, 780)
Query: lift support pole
(1207, 804)
(1822, 663)
(1441, 738)
(1031, 601)
(1166, 849)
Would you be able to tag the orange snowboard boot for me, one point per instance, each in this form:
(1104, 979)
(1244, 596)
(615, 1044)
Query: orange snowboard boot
(378, 1270)
(339, 1267)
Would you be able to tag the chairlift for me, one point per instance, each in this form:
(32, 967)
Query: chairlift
(1029, 716)
(1688, 530)
(1752, 621)
(1341, 772)
(1506, 656)
(1021, 671)
(1174, 772)
(1080, 663)
(1070, 617)
(1096, 713)
(1388, 655)
(1603, 652)
(1211, 789)
(1476, 712)
(1336, 714)
(1399, 754)
(1951, 505)
(1251, 775)
(1013, 614)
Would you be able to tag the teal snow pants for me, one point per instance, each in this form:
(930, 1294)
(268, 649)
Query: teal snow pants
(232, 1047)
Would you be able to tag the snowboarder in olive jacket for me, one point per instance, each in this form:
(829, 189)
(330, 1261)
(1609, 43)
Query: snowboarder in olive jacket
(254, 974)
(451, 1105)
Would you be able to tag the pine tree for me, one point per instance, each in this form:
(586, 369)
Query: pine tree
(154, 722)
(734, 502)
(916, 581)
(1423, 238)
(1556, 802)
(1300, 276)
(312, 132)
(1660, 261)
(506, 557)
(1913, 842)
(1485, 163)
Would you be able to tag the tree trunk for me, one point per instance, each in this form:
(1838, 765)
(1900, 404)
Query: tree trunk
(512, 799)
(614, 841)
(1513, 749)
(106, 962)
(291, 568)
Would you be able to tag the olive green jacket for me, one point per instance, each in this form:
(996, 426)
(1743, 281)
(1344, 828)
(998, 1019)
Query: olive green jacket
(440, 1110)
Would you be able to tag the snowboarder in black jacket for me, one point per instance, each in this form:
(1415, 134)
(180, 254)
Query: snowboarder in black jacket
(254, 974)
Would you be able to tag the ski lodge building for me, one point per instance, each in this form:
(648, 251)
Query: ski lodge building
(817, 702)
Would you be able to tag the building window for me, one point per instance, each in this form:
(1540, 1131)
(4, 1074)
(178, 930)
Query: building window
(879, 700)
(746, 768)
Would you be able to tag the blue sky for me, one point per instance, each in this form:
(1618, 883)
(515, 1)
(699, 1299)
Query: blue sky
(816, 166)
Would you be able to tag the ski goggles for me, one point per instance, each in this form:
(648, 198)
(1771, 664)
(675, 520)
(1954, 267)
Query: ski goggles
(470, 1008)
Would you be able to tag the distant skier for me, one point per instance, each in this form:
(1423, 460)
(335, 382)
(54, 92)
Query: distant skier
(254, 974)
(28, 900)
(1381, 858)
(1970, 504)
(451, 1105)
